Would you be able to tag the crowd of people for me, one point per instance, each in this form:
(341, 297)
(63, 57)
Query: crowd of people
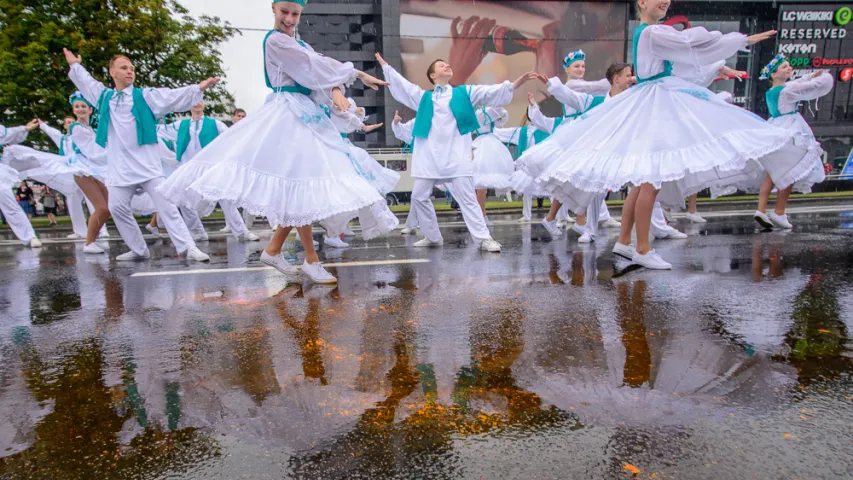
(653, 126)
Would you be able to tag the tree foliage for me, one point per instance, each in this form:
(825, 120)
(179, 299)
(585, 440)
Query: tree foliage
(169, 48)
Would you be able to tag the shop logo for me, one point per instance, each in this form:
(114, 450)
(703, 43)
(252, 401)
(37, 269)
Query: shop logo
(843, 16)
(845, 75)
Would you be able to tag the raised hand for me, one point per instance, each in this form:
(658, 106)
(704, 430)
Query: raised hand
(70, 57)
(380, 59)
(208, 83)
(339, 100)
(531, 99)
(33, 124)
(372, 82)
(541, 78)
(760, 37)
(466, 46)
(397, 117)
(730, 72)
(370, 128)
(524, 78)
(818, 73)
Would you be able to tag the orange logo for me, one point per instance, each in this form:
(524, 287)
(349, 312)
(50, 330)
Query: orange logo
(845, 75)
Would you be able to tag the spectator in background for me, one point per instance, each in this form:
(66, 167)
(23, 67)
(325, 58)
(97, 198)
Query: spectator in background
(48, 200)
(25, 199)
(238, 115)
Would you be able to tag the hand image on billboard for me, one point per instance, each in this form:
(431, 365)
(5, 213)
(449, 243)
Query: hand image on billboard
(548, 62)
(466, 49)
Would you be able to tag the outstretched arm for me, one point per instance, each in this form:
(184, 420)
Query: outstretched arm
(401, 89)
(13, 135)
(54, 134)
(570, 98)
(595, 87)
(88, 86)
(810, 87)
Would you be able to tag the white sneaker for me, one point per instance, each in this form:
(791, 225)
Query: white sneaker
(651, 261)
(780, 220)
(225, 229)
(523, 220)
(197, 255)
(625, 251)
(93, 248)
(695, 218)
(35, 243)
(551, 227)
(578, 230)
(334, 242)
(132, 256)
(671, 234)
(611, 223)
(152, 230)
(489, 245)
(317, 273)
(279, 263)
(407, 231)
(200, 236)
(74, 236)
(762, 219)
(249, 237)
(586, 238)
(425, 242)
(104, 234)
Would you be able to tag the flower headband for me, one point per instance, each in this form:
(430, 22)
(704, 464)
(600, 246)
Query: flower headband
(772, 66)
(574, 57)
(78, 97)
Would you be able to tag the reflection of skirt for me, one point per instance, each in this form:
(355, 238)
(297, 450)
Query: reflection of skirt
(669, 133)
(286, 162)
(493, 163)
(23, 158)
(382, 179)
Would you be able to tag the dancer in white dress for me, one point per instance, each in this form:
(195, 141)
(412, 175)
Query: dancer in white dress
(190, 136)
(9, 177)
(783, 101)
(287, 161)
(442, 152)
(127, 130)
(523, 137)
(674, 134)
(493, 164)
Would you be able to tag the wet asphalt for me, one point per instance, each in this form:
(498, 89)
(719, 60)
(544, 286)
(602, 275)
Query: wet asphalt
(545, 361)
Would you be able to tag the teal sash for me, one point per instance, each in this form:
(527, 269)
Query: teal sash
(772, 97)
(460, 106)
(207, 134)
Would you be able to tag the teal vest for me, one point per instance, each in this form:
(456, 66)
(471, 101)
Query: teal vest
(772, 97)
(205, 136)
(146, 124)
(297, 88)
(62, 152)
(667, 65)
(460, 106)
(538, 137)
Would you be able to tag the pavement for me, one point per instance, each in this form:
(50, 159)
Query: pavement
(545, 361)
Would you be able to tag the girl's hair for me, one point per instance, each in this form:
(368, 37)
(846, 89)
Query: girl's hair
(639, 10)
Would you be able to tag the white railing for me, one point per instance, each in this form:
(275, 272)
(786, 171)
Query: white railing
(386, 151)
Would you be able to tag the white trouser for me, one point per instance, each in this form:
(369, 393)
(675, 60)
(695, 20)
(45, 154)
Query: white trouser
(527, 206)
(603, 211)
(74, 203)
(15, 217)
(167, 213)
(462, 190)
(563, 213)
(593, 215)
(191, 219)
(659, 220)
(233, 219)
(412, 218)
(91, 206)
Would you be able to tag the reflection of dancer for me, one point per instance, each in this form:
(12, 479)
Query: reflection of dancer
(127, 130)
(442, 148)
(709, 142)
(783, 100)
(287, 161)
(9, 207)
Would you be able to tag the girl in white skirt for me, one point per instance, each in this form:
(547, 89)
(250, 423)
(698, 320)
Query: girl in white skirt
(783, 101)
(673, 134)
(79, 156)
(287, 161)
(493, 164)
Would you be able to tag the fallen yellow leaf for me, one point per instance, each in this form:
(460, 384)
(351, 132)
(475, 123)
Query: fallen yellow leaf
(822, 330)
(632, 469)
(788, 435)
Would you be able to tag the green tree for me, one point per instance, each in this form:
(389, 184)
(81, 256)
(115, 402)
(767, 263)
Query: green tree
(169, 48)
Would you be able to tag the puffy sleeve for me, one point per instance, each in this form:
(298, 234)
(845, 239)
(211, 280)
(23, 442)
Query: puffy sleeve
(491, 115)
(307, 67)
(693, 46)
(221, 127)
(491, 95)
(54, 134)
(168, 100)
(703, 75)
(539, 120)
(403, 131)
(597, 87)
(88, 86)
(11, 136)
(507, 135)
(808, 89)
(570, 98)
(84, 138)
(401, 89)
(346, 122)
